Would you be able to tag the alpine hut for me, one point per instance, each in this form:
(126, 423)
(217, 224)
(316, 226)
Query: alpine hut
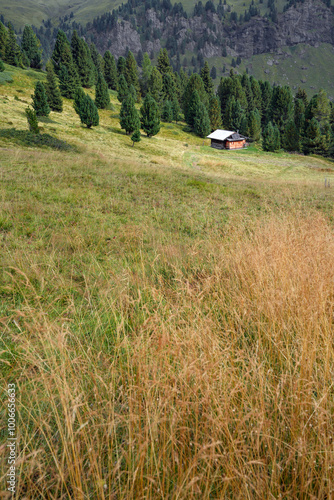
(226, 139)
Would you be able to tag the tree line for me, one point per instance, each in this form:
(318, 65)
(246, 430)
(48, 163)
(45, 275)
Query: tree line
(255, 108)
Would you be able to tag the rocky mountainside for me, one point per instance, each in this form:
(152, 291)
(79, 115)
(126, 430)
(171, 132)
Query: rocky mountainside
(311, 22)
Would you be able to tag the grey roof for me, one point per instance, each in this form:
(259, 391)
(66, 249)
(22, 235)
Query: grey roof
(220, 135)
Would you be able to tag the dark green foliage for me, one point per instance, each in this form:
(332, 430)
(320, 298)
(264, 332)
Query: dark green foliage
(254, 125)
(131, 72)
(192, 108)
(88, 112)
(129, 118)
(3, 40)
(213, 73)
(62, 55)
(231, 87)
(110, 71)
(31, 46)
(167, 112)
(32, 120)
(97, 59)
(202, 125)
(163, 64)
(291, 138)
(155, 85)
(215, 113)
(150, 116)
(234, 114)
(281, 107)
(195, 83)
(123, 89)
(121, 66)
(83, 61)
(176, 109)
(146, 73)
(13, 54)
(132, 92)
(40, 102)
(271, 138)
(2, 66)
(266, 94)
(299, 115)
(136, 137)
(52, 90)
(79, 98)
(68, 81)
(168, 87)
(312, 138)
(207, 80)
(102, 98)
(301, 94)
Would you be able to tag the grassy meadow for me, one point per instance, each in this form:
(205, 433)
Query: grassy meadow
(166, 312)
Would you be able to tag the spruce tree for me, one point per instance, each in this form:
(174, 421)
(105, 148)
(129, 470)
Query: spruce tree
(13, 54)
(214, 113)
(132, 92)
(167, 112)
(52, 90)
(193, 106)
(123, 89)
(88, 112)
(150, 116)
(83, 61)
(31, 46)
(68, 81)
(299, 115)
(79, 98)
(146, 73)
(202, 125)
(312, 138)
(40, 102)
(176, 110)
(97, 60)
(32, 120)
(195, 83)
(168, 87)
(102, 98)
(136, 137)
(254, 125)
(131, 72)
(281, 109)
(207, 80)
(121, 66)
(163, 64)
(257, 94)
(61, 55)
(3, 40)
(129, 118)
(155, 85)
(291, 138)
(110, 71)
(271, 138)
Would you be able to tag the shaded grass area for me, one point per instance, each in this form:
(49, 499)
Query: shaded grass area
(26, 138)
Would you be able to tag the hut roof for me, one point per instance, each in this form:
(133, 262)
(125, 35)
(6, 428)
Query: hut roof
(220, 135)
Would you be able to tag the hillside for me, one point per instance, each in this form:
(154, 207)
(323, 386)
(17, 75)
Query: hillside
(166, 312)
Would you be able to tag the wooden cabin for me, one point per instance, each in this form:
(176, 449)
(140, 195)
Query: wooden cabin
(226, 139)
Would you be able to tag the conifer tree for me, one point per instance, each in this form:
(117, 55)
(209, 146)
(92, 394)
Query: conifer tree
(155, 85)
(13, 54)
(2, 66)
(214, 113)
(110, 70)
(102, 98)
(167, 112)
(281, 107)
(136, 137)
(97, 59)
(234, 114)
(312, 138)
(88, 112)
(3, 40)
(192, 108)
(207, 80)
(83, 61)
(52, 90)
(291, 138)
(61, 55)
(31, 46)
(68, 81)
(168, 87)
(40, 102)
(301, 94)
(195, 83)
(131, 72)
(123, 89)
(129, 118)
(202, 125)
(32, 121)
(271, 138)
(146, 73)
(254, 125)
(299, 115)
(266, 96)
(257, 94)
(150, 116)
(176, 109)
(121, 66)
(163, 64)
(79, 98)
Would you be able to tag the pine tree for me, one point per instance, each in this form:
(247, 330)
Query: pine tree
(32, 120)
(312, 138)
(234, 114)
(102, 98)
(150, 116)
(110, 71)
(52, 90)
(281, 109)
(202, 125)
(129, 118)
(131, 72)
(3, 41)
(215, 113)
(40, 102)
(257, 94)
(83, 61)
(195, 83)
(155, 85)
(31, 46)
(123, 89)
(163, 64)
(301, 94)
(136, 137)
(146, 73)
(13, 54)
(266, 94)
(207, 80)
(167, 112)
(192, 108)
(61, 55)
(121, 66)
(132, 92)
(68, 81)
(79, 98)
(97, 60)
(168, 87)
(291, 139)
(176, 110)
(254, 125)
(88, 112)
(271, 138)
